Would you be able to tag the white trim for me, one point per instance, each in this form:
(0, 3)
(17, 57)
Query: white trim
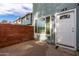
(74, 24)
(75, 29)
(50, 25)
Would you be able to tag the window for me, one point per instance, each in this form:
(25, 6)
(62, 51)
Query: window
(40, 25)
(36, 30)
(19, 20)
(65, 16)
(48, 25)
(27, 18)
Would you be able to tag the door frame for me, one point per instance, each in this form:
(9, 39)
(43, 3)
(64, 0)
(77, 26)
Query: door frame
(75, 48)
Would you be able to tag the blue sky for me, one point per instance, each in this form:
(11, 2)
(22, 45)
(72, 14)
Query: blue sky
(11, 11)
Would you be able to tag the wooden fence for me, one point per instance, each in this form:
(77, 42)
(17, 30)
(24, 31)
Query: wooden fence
(12, 34)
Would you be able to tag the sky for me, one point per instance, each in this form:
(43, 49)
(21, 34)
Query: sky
(12, 11)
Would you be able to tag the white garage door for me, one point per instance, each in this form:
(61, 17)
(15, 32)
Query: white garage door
(66, 29)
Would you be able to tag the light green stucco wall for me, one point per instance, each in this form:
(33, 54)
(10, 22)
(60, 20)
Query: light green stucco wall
(44, 9)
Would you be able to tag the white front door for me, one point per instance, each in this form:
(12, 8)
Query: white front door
(66, 29)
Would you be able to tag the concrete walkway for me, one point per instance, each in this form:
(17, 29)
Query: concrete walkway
(34, 48)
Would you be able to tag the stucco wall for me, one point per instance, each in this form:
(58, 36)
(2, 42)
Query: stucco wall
(43, 9)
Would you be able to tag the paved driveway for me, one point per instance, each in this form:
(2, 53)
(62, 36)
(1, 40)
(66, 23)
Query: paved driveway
(35, 48)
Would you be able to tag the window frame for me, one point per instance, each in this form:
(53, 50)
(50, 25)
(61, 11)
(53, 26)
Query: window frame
(45, 25)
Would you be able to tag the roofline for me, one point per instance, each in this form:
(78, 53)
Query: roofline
(18, 18)
(26, 14)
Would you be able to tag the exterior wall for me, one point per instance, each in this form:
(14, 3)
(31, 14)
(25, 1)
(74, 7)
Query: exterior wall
(23, 21)
(44, 9)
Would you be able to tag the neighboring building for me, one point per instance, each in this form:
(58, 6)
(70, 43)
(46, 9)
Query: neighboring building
(57, 23)
(5, 22)
(25, 20)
